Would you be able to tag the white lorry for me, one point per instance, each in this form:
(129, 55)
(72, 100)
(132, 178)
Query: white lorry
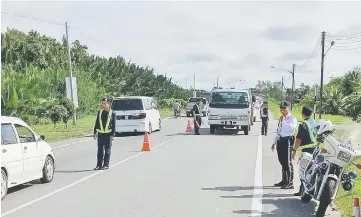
(229, 109)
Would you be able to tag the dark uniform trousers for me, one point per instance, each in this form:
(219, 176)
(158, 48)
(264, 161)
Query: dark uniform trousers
(264, 125)
(198, 120)
(104, 149)
(284, 152)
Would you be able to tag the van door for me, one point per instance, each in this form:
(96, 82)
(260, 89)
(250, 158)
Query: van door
(12, 154)
(32, 152)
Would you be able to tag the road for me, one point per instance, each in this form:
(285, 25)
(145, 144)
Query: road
(183, 175)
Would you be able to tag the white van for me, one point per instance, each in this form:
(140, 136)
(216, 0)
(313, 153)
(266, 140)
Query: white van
(25, 155)
(229, 109)
(136, 114)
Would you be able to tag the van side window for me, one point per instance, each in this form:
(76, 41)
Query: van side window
(8, 135)
(154, 104)
(147, 104)
(25, 135)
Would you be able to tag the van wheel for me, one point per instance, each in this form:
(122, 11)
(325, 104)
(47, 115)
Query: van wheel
(4, 184)
(48, 170)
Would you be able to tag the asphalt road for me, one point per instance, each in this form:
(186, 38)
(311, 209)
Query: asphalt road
(220, 175)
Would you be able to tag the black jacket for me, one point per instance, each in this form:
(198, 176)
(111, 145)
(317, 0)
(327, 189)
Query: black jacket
(104, 117)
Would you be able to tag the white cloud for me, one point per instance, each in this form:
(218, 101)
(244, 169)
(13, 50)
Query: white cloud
(231, 40)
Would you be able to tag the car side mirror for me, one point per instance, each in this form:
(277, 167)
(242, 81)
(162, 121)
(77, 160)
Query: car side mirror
(41, 138)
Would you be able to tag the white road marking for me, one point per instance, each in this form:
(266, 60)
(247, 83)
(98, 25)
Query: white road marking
(257, 207)
(73, 143)
(79, 181)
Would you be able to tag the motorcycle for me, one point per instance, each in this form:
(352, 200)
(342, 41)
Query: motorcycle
(323, 172)
(176, 113)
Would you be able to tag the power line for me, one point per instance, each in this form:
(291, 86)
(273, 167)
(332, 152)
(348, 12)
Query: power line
(33, 18)
(312, 56)
(344, 37)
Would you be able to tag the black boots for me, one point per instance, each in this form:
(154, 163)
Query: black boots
(281, 183)
(289, 181)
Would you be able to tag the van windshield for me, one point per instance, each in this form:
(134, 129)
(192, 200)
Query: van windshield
(127, 104)
(229, 100)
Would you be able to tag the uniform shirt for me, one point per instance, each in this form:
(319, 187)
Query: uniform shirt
(196, 109)
(304, 135)
(104, 117)
(286, 127)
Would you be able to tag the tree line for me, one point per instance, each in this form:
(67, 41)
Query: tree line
(341, 95)
(34, 68)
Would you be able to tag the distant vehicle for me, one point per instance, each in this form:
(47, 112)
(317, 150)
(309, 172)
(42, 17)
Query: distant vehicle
(192, 101)
(137, 114)
(229, 109)
(25, 155)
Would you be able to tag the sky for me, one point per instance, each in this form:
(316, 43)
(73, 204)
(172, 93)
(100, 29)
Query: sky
(237, 42)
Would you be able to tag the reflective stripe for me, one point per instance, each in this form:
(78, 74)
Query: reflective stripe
(106, 130)
(312, 136)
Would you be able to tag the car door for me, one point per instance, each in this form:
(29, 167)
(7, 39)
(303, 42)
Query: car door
(12, 154)
(32, 152)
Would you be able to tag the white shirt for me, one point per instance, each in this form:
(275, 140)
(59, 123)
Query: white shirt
(286, 127)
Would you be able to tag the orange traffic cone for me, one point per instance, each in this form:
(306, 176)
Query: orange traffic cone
(356, 208)
(146, 143)
(189, 127)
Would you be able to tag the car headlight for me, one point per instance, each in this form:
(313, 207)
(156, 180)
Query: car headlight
(343, 156)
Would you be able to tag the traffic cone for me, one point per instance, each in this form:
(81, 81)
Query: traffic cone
(189, 127)
(356, 208)
(146, 143)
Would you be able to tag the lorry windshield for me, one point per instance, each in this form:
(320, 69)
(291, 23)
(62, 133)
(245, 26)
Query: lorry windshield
(229, 100)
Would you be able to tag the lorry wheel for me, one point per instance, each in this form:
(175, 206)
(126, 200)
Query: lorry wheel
(246, 130)
(212, 129)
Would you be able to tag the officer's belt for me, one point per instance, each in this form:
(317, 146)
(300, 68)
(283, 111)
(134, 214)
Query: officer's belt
(286, 137)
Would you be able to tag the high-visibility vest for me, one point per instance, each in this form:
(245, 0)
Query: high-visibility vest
(106, 130)
(312, 136)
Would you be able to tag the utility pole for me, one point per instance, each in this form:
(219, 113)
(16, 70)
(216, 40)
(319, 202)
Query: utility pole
(194, 85)
(315, 102)
(322, 61)
(217, 83)
(293, 86)
(70, 71)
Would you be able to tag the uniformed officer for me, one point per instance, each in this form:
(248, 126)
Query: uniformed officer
(284, 140)
(197, 117)
(104, 130)
(306, 136)
(264, 117)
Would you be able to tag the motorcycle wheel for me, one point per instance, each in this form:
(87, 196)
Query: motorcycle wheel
(325, 198)
(305, 197)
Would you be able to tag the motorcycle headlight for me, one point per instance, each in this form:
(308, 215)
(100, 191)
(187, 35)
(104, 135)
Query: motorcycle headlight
(343, 156)
(352, 175)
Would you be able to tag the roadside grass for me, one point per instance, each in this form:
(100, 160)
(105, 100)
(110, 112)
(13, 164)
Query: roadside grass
(344, 204)
(84, 126)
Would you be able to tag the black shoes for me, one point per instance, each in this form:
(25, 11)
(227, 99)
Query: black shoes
(101, 168)
(288, 186)
(280, 184)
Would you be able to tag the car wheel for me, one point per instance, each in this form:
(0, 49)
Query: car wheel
(48, 170)
(212, 129)
(4, 184)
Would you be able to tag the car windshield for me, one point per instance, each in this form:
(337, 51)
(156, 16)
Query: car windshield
(127, 104)
(204, 101)
(229, 100)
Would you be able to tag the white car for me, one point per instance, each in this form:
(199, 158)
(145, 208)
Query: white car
(25, 155)
(136, 114)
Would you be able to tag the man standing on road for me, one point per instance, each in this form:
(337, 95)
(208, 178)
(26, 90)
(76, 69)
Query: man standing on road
(284, 140)
(104, 130)
(197, 117)
(264, 117)
(306, 136)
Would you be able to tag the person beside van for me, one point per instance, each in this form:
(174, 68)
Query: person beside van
(104, 131)
(197, 117)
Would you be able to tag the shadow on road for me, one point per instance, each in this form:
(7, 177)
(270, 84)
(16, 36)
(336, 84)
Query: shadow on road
(238, 188)
(284, 208)
(23, 186)
(259, 196)
(73, 171)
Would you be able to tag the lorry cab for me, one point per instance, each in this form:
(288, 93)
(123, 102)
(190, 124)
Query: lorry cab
(229, 109)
